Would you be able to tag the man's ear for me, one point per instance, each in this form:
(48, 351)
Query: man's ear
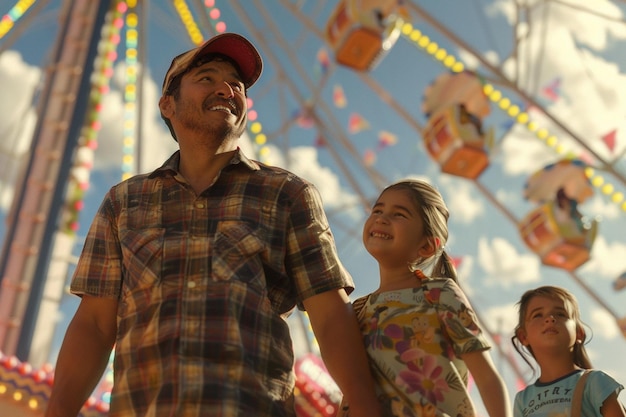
(521, 336)
(429, 248)
(165, 105)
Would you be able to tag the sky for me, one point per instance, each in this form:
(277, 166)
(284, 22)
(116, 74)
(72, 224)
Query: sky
(560, 61)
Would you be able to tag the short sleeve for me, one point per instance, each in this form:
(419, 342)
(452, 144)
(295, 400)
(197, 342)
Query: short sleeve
(312, 258)
(458, 317)
(598, 387)
(99, 271)
(518, 406)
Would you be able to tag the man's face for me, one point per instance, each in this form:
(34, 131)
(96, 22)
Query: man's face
(210, 102)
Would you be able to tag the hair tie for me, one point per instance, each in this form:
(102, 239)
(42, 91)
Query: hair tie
(420, 275)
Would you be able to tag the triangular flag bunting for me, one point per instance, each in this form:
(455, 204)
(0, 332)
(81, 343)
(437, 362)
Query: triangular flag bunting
(369, 158)
(320, 141)
(357, 123)
(323, 60)
(609, 139)
(386, 139)
(304, 119)
(339, 98)
(551, 91)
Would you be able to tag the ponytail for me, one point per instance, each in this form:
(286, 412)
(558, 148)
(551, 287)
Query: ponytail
(445, 267)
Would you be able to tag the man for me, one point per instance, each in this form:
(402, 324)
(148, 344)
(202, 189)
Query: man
(191, 270)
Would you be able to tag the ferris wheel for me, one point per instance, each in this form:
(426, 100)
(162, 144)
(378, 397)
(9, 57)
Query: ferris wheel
(355, 95)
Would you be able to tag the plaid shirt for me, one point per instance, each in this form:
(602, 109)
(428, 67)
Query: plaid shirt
(204, 285)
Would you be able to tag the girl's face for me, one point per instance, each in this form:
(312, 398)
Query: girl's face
(548, 325)
(394, 232)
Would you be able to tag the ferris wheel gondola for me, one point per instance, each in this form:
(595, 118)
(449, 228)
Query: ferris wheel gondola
(556, 230)
(567, 176)
(361, 32)
(455, 105)
(461, 88)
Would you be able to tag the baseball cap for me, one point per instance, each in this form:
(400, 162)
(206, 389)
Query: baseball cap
(234, 46)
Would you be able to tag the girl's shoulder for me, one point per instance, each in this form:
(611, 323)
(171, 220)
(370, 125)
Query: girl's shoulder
(596, 380)
(596, 377)
(444, 291)
(438, 284)
(443, 283)
(597, 388)
(550, 397)
(599, 377)
(573, 377)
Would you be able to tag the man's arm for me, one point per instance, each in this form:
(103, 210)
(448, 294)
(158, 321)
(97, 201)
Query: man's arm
(84, 355)
(336, 329)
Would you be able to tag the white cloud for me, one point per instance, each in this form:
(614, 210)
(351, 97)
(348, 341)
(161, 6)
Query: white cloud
(272, 156)
(603, 324)
(581, 73)
(472, 62)
(465, 277)
(303, 161)
(522, 153)
(600, 206)
(469, 60)
(461, 199)
(19, 81)
(501, 319)
(509, 197)
(607, 259)
(590, 29)
(505, 265)
(157, 143)
(591, 23)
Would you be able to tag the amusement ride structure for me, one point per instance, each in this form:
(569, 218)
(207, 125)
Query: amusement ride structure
(457, 126)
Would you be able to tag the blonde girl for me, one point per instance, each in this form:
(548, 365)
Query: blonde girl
(420, 331)
(550, 331)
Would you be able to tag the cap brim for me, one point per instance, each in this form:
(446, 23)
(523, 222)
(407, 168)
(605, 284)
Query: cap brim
(240, 50)
(232, 45)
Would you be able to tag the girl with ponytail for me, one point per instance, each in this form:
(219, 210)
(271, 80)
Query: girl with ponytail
(420, 331)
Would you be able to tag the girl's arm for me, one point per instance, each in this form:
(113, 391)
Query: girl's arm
(490, 385)
(611, 407)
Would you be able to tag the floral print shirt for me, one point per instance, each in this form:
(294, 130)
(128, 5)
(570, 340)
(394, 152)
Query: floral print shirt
(414, 338)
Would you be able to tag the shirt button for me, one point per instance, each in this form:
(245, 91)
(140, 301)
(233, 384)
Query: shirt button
(191, 284)
(200, 205)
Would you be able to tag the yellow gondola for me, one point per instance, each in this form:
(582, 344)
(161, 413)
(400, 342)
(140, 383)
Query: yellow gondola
(559, 241)
(361, 31)
(454, 139)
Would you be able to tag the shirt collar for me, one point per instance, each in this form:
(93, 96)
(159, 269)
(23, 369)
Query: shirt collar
(171, 165)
